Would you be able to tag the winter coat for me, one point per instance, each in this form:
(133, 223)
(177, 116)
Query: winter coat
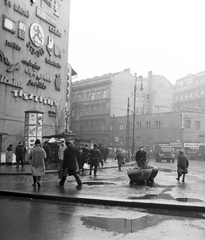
(37, 156)
(20, 152)
(81, 158)
(94, 156)
(183, 163)
(120, 158)
(61, 151)
(101, 148)
(69, 159)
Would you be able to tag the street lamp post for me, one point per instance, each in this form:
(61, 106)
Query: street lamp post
(133, 134)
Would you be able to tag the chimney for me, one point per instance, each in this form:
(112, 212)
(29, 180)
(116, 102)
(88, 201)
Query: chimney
(149, 73)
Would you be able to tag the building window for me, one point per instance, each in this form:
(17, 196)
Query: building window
(197, 124)
(92, 96)
(111, 127)
(130, 125)
(104, 108)
(86, 110)
(92, 109)
(137, 97)
(103, 125)
(188, 123)
(98, 94)
(142, 97)
(138, 125)
(97, 109)
(148, 124)
(147, 97)
(81, 111)
(104, 94)
(157, 124)
(122, 126)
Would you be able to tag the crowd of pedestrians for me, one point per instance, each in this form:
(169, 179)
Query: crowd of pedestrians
(73, 159)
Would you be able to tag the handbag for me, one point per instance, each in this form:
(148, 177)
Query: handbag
(180, 171)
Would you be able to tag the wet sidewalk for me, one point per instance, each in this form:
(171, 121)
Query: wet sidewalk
(111, 187)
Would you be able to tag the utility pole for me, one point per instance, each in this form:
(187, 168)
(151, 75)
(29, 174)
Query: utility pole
(127, 129)
(113, 124)
(133, 134)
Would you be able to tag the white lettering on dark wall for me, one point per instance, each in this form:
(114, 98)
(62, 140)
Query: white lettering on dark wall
(11, 82)
(35, 98)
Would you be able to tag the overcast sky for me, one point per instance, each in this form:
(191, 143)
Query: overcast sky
(163, 36)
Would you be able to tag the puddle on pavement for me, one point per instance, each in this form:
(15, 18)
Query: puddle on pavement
(123, 225)
(167, 197)
(188, 200)
(98, 183)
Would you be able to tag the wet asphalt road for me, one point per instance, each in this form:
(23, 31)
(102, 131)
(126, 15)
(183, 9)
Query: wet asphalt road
(31, 219)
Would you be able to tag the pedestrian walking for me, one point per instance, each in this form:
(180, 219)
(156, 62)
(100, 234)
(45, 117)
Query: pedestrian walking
(69, 165)
(48, 152)
(37, 156)
(82, 159)
(20, 152)
(94, 159)
(120, 158)
(101, 148)
(86, 151)
(141, 157)
(61, 150)
(106, 152)
(182, 166)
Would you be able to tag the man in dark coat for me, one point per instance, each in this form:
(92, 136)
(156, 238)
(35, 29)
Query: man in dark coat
(69, 165)
(94, 159)
(141, 157)
(182, 165)
(82, 159)
(48, 152)
(106, 152)
(101, 148)
(20, 152)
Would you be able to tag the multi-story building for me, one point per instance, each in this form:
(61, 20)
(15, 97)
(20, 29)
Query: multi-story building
(33, 68)
(189, 92)
(180, 129)
(97, 101)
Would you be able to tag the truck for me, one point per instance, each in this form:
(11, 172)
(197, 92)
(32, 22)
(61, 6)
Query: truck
(165, 153)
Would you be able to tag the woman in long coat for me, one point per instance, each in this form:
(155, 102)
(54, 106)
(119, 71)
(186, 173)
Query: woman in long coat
(182, 165)
(37, 156)
(120, 158)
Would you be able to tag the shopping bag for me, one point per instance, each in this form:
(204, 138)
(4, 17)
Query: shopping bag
(85, 166)
(179, 171)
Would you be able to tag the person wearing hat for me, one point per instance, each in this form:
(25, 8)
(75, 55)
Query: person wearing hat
(37, 156)
(69, 165)
(182, 166)
(141, 157)
(94, 159)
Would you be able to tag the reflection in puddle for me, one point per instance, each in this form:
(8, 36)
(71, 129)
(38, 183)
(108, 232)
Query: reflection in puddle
(167, 197)
(123, 225)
